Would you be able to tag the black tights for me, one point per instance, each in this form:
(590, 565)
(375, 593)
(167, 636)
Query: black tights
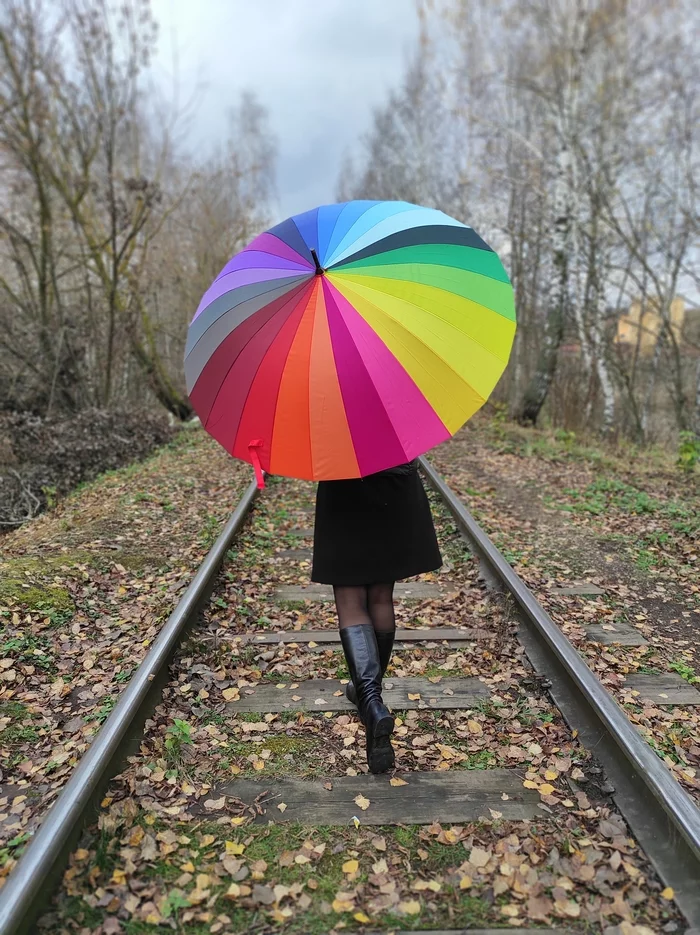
(372, 603)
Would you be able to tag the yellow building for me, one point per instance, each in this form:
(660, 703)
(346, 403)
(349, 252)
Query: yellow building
(640, 326)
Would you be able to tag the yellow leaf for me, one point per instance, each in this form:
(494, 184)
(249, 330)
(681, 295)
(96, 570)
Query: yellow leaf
(668, 893)
(342, 905)
(474, 727)
(235, 770)
(233, 847)
(207, 839)
(188, 867)
(282, 807)
(203, 881)
(233, 892)
(415, 697)
(362, 802)
(119, 877)
(81, 854)
(350, 866)
(420, 885)
(231, 694)
(238, 820)
(395, 781)
(410, 907)
(356, 821)
(258, 764)
(296, 697)
(529, 784)
(361, 917)
(551, 774)
(511, 911)
(546, 789)
(465, 883)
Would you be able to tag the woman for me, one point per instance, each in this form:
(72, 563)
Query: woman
(369, 533)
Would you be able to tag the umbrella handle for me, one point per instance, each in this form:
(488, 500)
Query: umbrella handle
(255, 459)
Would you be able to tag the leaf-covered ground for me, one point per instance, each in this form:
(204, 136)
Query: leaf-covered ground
(173, 851)
(83, 591)
(626, 520)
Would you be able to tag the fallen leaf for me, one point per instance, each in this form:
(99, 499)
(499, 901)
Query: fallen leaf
(362, 802)
(361, 917)
(668, 893)
(350, 866)
(213, 805)
(342, 905)
(479, 857)
(395, 781)
(409, 907)
(282, 807)
(546, 789)
(415, 697)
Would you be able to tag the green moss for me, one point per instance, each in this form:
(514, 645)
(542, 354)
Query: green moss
(13, 591)
(282, 744)
(17, 731)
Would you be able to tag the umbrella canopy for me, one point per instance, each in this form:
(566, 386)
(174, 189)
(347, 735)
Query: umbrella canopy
(349, 339)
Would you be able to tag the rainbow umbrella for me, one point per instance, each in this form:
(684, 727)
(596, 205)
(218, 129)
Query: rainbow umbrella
(349, 339)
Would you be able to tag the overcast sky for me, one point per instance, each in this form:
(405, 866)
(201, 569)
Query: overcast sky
(318, 66)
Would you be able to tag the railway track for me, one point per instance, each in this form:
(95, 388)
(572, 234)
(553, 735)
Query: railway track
(229, 788)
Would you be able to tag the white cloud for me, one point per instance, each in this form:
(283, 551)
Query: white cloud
(318, 67)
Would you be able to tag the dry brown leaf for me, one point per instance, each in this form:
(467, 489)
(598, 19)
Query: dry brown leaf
(479, 857)
(362, 802)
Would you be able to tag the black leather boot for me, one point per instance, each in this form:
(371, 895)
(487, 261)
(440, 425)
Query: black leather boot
(362, 655)
(385, 644)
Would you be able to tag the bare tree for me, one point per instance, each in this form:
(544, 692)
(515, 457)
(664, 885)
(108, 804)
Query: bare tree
(96, 188)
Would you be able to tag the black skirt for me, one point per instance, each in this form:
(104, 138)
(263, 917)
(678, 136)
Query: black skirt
(374, 529)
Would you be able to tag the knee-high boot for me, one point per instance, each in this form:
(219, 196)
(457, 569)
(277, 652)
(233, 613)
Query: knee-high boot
(385, 645)
(362, 655)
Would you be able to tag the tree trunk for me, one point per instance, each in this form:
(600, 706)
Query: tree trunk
(147, 356)
(538, 388)
(160, 383)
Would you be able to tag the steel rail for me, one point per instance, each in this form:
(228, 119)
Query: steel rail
(30, 885)
(664, 819)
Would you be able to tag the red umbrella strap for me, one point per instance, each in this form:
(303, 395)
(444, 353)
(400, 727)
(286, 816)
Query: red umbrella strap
(255, 458)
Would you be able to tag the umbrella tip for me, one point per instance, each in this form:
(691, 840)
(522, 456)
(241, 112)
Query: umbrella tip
(319, 269)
